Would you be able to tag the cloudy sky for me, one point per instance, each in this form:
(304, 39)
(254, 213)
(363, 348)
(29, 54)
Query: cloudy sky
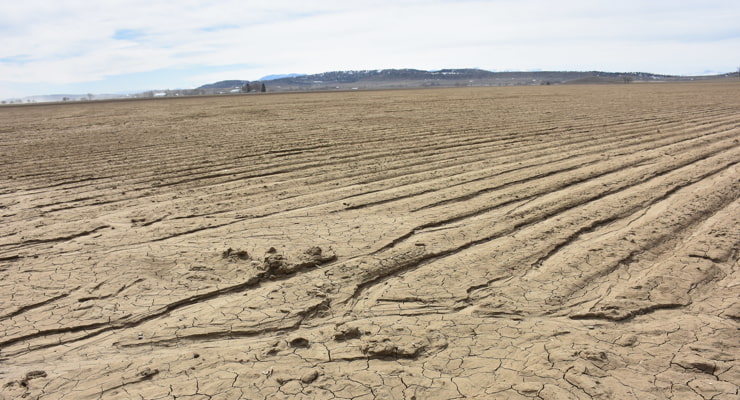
(106, 46)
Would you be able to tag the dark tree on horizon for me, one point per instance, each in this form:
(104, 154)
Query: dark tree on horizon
(263, 89)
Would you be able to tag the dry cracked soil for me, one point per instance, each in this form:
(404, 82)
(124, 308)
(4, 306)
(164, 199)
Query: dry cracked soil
(559, 242)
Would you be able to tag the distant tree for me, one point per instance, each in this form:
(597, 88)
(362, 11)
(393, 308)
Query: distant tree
(65, 98)
(627, 79)
(263, 89)
(246, 88)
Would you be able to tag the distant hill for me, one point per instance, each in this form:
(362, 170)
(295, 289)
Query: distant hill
(280, 76)
(224, 85)
(390, 79)
(409, 78)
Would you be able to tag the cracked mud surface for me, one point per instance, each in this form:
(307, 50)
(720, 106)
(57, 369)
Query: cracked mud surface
(509, 243)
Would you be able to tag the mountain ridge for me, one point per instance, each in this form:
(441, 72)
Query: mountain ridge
(389, 78)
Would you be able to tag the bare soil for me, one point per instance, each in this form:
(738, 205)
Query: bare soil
(556, 242)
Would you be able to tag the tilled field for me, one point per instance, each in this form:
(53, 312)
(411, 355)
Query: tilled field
(496, 243)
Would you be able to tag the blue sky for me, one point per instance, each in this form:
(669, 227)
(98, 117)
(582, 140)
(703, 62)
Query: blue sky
(79, 46)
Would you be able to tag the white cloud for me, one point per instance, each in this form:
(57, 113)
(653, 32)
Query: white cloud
(79, 41)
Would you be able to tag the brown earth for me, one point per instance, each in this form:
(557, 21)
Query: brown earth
(498, 243)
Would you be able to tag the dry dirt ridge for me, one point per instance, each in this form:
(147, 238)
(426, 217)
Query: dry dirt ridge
(493, 243)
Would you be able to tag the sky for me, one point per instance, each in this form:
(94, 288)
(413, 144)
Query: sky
(127, 46)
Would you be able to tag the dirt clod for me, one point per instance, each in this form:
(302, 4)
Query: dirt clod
(235, 255)
(309, 376)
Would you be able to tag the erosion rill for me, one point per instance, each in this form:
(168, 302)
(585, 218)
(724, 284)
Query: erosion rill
(558, 242)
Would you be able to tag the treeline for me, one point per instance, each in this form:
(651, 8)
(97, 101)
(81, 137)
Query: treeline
(254, 87)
